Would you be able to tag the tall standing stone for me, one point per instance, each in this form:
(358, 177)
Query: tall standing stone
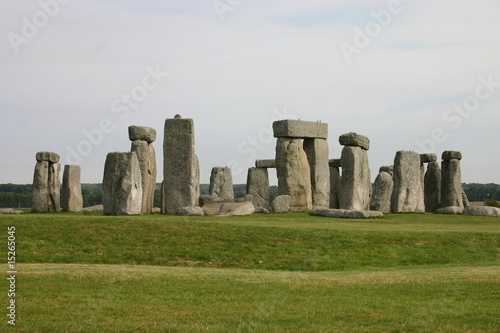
(451, 179)
(221, 184)
(335, 165)
(46, 183)
(258, 187)
(122, 184)
(355, 182)
(317, 155)
(294, 175)
(382, 191)
(71, 193)
(407, 194)
(181, 170)
(432, 187)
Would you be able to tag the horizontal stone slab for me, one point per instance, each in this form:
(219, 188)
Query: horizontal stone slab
(386, 168)
(427, 158)
(482, 211)
(451, 155)
(350, 214)
(354, 139)
(335, 163)
(47, 156)
(300, 129)
(265, 163)
(142, 133)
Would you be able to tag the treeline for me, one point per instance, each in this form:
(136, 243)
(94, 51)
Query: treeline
(13, 195)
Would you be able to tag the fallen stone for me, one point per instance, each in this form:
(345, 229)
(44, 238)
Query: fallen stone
(281, 204)
(156, 210)
(47, 156)
(265, 164)
(344, 213)
(451, 155)
(205, 198)
(237, 209)
(432, 187)
(213, 208)
(260, 210)
(195, 210)
(221, 183)
(355, 182)
(96, 208)
(355, 140)
(407, 194)
(481, 210)
(382, 192)
(71, 192)
(142, 133)
(317, 155)
(300, 129)
(258, 187)
(10, 211)
(449, 210)
(426, 158)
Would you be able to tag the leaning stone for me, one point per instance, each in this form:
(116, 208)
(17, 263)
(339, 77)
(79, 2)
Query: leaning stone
(265, 164)
(242, 208)
(196, 210)
(481, 210)
(317, 155)
(221, 183)
(451, 155)
(426, 158)
(387, 168)
(142, 133)
(344, 213)
(294, 175)
(147, 162)
(432, 187)
(334, 187)
(281, 204)
(213, 208)
(382, 192)
(355, 182)
(407, 194)
(96, 208)
(451, 183)
(71, 193)
(449, 210)
(122, 184)
(258, 187)
(356, 140)
(335, 163)
(47, 156)
(300, 129)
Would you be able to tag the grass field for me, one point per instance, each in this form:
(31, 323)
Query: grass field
(261, 273)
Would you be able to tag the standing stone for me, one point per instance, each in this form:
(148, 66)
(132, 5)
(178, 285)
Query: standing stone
(181, 170)
(221, 184)
(334, 187)
(382, 192)
(147, 163)
(71, 199)
(432, 187)
(122, 184)
(294, 174)
(46, 183)
(258, 187)
(407, 194)
(355, 182)
(451, 180)
(317, 155)
(54, 187)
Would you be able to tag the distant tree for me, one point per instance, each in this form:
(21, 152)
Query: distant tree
(492, 202)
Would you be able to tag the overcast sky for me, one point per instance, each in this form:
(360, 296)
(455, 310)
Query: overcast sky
(410, 75)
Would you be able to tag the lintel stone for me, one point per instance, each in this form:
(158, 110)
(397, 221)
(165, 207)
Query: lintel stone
(335, 163)
(451, 155)
(47, 156)
(427, 158)
(265, 164)
(354, 139)
(300, 129)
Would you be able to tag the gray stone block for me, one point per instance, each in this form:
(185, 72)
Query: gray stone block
(408, 192)
(265, 164)
(221, 183)
(382, 192)
(355, 182)
(237, 209)
(449, 210)
(432, 187)
(387, 168)
(300, 129)
(317, 155)
(142, 133)
(350, 214)
(335, 163)
(281, 204)
(334, 187)
(71, 192)
(195, 210)
(47, 156)
(147, 162)
(451, 155)
(481, 211)
(451, 183)
(426, 158)
(258, 187)
(356, 140)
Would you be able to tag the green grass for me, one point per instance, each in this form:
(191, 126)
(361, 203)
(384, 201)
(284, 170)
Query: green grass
(261, 273)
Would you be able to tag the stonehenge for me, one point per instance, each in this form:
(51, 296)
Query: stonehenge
(335, 165)
(258, 187)
(408, 192)
(46, 183)
(382, 191)
(71, 192)
(221, 184)
(451, 179)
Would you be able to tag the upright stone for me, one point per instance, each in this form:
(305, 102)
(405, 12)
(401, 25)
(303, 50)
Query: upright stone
(317, 155)
(71, 198)
(294, 175)
(221, 183)
(334, 183)
(382, 191)
(147, 162)
(407, 194)
(54, 187)
(40, 196)
(181, 170)
(451, 179)
(432, 187)
(122, 184)
(258, 187)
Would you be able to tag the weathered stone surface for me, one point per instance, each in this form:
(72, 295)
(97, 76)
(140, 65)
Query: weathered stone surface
(387, 168)
(281, 204)
(156, 210)
(265, 164)
(432, 187)
(147, 162)
(481, 210)
(142, 133)
(40, 194)
(122, 184)
(258, 187)
(10, 211)
(195, 210)
(451, 183)
(465, 199)
(427, 158)
(221, 183)
(54, 187)
(181, 170)
(71, 192)
(237, 208)
(260, 210)
(300, 129)
(344, 213)
(317, 155)
(96, 208)
(334, 187)
(47, 156)
(213, 208)
(449, 210)
(355, 182)
(382, 192)
(407, 194)
(205, 198)
(335, 163)
(451, 155)
(355, 140)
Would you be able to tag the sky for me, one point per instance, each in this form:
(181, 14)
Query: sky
(410, 75)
